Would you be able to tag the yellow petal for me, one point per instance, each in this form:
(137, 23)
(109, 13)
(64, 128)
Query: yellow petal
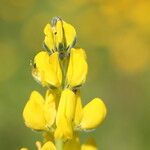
(77, 69)
(89, 145)
(49, 37)
(47, 69)
(48, 146)
(33, 112)
(93, 114)
(57, 74)
(59, 35)
(78, 110)
(70, 34)
(64, 129)
(65, 113)
(50, 107)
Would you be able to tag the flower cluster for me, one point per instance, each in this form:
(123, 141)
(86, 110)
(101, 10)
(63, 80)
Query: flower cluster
(60, 115)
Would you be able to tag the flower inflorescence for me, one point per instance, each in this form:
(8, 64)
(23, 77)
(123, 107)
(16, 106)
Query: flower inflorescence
(60, 115)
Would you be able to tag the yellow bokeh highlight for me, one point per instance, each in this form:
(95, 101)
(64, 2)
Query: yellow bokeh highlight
(129, 53)
(140, 14)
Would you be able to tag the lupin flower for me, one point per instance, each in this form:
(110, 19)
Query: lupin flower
(59, 35)
(47, 69)
(63, 70)
(39, 114)
(97, 114)
(71, 116)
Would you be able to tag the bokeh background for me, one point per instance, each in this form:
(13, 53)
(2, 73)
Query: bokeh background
(116, 36)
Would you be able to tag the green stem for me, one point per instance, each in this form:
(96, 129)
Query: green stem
(59, 144)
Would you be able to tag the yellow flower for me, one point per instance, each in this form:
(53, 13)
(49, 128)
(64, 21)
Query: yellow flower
(77, 69)
(59, 35)
(85, 120)
(47, 69)
(39, 114)
(48, 146)
(65, 115)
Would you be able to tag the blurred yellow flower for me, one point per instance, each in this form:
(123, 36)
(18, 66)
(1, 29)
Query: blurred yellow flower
(129, 54)
(139, 14)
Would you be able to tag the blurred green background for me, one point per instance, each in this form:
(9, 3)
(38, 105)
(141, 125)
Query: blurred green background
(116, 36)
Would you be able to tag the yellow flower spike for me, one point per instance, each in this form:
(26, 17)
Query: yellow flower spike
(48, 146)
(65, 114)
(49, 38)
(89, 145)
(78, 110)
(33, 112)
(47, 69)
(77, 69)
(97, 114)
(50, 108)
